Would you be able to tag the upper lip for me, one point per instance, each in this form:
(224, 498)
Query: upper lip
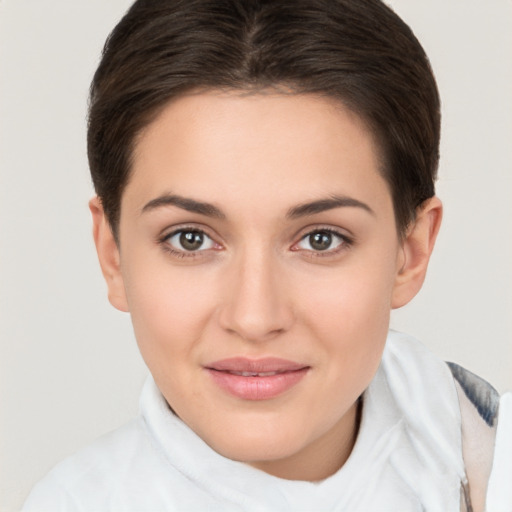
(263, 365)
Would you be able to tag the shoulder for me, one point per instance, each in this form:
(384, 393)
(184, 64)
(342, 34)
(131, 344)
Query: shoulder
(83, 480)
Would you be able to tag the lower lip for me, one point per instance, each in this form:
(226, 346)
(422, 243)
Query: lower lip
(257, 388)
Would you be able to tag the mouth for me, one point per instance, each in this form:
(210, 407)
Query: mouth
(251, 374)
(256, 379)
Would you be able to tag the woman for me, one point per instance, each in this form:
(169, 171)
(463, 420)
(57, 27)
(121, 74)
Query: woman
(265, 196)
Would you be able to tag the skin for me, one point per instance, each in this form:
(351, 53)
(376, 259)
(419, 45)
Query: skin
(258, 286)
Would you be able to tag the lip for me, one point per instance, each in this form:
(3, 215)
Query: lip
(256, 379)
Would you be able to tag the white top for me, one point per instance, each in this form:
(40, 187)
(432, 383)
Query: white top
(407, 457)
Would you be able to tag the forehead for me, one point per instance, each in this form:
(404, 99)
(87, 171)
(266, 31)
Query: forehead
(278, 148)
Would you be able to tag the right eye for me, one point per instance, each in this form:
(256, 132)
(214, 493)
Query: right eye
(189, 240)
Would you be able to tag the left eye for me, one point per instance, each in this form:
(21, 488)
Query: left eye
(190, 240)
(321, 240)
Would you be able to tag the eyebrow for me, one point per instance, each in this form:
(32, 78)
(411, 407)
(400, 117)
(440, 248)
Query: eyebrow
(301, 210)
(185, 203)
(322, 205)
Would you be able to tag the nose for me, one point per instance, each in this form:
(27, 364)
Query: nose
(257, 305)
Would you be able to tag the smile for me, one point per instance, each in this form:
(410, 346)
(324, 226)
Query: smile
(260, 379)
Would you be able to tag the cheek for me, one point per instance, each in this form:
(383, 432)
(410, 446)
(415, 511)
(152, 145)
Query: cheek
(349, 313)
(353, 297)
(170, 306)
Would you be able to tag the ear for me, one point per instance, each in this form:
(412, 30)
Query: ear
(108, 255)
(415, 252)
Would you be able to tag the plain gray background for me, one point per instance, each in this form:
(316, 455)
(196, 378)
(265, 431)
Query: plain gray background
(69, 366)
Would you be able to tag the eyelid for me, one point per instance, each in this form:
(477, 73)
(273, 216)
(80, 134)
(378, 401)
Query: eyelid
(315, 228)
(173, 230)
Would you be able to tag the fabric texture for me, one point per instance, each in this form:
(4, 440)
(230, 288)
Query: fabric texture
(408, 456)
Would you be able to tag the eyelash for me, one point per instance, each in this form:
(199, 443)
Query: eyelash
(346, 243)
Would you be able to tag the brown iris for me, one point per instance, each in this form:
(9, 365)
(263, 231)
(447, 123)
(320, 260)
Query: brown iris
(191, 240)
(321, 240)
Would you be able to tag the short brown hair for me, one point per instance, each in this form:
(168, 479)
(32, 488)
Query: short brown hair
(356, 51)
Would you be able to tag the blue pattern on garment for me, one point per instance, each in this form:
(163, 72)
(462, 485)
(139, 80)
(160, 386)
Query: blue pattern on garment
(481, 394)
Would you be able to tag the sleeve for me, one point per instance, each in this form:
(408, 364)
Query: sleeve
(499, 490)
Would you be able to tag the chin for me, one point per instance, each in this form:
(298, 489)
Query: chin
(253, 447)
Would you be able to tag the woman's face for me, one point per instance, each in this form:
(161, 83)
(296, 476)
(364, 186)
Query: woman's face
(258, 253)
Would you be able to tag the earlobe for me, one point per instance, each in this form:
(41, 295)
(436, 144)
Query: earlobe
(108, 255)
(415, 252)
